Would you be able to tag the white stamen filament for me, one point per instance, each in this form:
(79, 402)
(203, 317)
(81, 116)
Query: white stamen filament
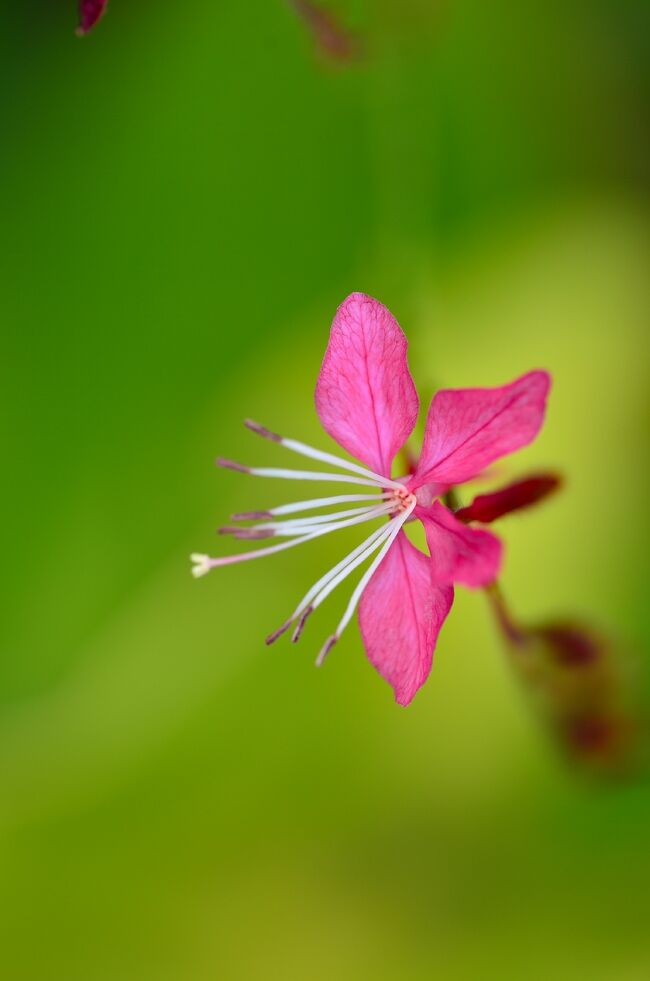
(309, 451)
(203, 563)
(390, 500)
(363, 582)
(337, 461)
(331, 573)
(322, 502)
(350, 563)
(324, 521)
(336, 478)
(319, 519)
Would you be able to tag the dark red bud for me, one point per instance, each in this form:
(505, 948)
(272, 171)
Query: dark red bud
(593, 736)
(585, 688)
(90, 12)
(522, 494)
(571, 645)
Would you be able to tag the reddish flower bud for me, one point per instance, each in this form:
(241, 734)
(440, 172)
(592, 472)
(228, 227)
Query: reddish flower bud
(585, 689)
(90, 12)
(572, 645)
(522, 494)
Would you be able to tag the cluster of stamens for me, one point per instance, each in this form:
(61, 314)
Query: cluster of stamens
(402, 500)
(389, 502)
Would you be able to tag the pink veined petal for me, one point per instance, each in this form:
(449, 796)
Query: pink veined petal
(400, 616)
(459, 553)
(365, 395)
(469, 428)
(427, 493)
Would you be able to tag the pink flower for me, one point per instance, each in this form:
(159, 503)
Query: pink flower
(367, 402)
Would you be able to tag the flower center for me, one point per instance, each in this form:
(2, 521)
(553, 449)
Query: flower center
(401, 500)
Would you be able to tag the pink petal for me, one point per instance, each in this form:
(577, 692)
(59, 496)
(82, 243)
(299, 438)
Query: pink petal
(400, 615)
(89, 13)
(513, 497)
(458, 553)
(365, 395)
(469, 428)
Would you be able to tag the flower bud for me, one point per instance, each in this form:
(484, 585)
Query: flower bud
(521, 494)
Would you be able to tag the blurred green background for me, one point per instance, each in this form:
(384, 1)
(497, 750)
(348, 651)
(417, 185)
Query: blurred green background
(187, 194)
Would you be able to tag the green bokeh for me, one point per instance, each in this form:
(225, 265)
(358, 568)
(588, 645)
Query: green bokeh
(186, 196)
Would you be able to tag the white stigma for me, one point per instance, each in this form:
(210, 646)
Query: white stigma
(201, 564)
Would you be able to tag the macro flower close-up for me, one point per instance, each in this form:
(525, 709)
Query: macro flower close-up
(367, 401)
(324, 408)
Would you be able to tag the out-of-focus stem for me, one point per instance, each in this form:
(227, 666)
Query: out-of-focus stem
(513, 633)
(584, 688)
